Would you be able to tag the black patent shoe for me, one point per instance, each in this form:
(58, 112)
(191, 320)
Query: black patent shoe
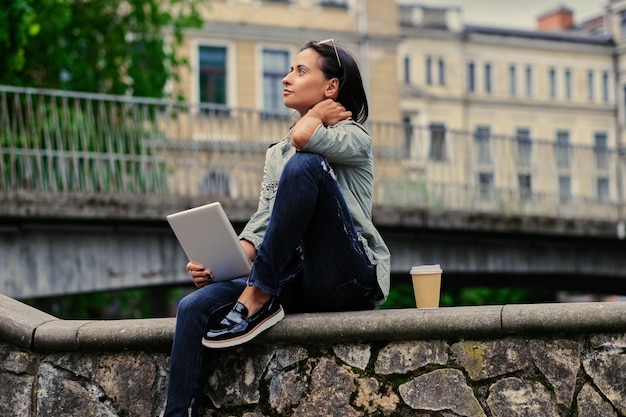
(237, 328)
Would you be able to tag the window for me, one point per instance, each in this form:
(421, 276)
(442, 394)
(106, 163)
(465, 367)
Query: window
(275, 65)
(407, 70)
(437, 142)
(336, 3)
(212, 80)
(622, 19)
(525, 186)
(512, 80)
(488, 86)
(524, 147)
(565, 188)
(215, 182)
(442, 72)
(602, 188)
(471, 81)
(407, 124)
(482, 137)
(562, 149)
(624, 96)
(590, 85)
(601, 151)
(529, 81)
(605, 86)
(429, 70)
(552, 82)
(568, 84)
(485, 185)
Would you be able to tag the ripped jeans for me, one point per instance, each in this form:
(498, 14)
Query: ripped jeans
(311, 257)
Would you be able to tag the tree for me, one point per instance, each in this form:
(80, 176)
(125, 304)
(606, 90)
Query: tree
(104, 46)
(17, 24)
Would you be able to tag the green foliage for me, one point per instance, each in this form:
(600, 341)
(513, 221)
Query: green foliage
(401, 296)
(105, 46)
(64, 146)
(485, 296)
(17, 25)
(130, 303)
(161, 301)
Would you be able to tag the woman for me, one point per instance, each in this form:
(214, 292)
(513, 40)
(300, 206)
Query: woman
(318, 251)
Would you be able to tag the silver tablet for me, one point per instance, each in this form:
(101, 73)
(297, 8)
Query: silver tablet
(207, 237)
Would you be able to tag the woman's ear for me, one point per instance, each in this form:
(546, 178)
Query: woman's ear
(332, 88)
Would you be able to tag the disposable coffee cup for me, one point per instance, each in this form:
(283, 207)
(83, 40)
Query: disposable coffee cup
(426, 285)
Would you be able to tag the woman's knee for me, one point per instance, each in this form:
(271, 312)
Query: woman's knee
(198, 301)
(302, 162)
(187, 304)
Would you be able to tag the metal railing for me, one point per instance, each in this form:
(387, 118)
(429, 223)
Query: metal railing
(66, 142)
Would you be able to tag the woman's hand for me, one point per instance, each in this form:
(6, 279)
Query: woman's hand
(327, 112)
(330, 112)
(249, 248)
(200, 275)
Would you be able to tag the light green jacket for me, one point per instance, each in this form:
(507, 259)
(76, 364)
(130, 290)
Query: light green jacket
(348, 148)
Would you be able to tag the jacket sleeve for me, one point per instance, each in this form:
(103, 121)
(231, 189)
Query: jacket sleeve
(254, 231)
(346, 143)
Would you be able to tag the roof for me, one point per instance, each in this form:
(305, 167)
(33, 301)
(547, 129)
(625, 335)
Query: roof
(568, 36)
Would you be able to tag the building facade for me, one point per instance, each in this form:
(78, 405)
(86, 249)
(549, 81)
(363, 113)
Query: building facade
(532, 111)
(493, 117)
(246, 47)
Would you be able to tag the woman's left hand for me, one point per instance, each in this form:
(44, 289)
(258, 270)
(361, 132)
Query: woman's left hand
(327, 112)
(200, 275)
(330, 112)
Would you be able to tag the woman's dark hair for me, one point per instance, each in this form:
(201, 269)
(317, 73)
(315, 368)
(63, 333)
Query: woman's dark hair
(351, 91)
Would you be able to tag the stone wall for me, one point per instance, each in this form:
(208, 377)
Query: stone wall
(498, 361)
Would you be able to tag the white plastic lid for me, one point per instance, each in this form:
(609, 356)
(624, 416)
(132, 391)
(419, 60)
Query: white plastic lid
(427, 269)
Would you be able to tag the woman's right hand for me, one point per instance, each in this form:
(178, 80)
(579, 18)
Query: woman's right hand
(200, 275)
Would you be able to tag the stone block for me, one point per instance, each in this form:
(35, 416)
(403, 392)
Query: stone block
(443, 389)
(488, 359)
(515, 397)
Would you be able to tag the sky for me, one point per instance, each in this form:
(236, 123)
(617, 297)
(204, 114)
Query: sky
(516, 14)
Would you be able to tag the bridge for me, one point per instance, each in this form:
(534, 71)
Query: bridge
(86, 181)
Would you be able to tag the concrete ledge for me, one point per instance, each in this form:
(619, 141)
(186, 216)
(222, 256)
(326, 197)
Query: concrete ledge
(29, 328)
(564, 318)
(452, 322)
(98, 335)
(18, 322)
(59, 335)
(387, 325)
(146, 334)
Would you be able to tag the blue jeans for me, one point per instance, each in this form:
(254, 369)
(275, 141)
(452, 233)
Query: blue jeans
(311, 258)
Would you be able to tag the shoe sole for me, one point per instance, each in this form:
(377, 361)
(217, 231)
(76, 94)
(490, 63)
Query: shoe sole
(239, 340)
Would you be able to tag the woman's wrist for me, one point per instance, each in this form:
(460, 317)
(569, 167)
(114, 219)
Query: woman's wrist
(304, 129)
(315, 117)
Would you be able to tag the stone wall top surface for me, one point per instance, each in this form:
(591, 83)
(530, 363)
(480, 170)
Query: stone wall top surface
(30, 328)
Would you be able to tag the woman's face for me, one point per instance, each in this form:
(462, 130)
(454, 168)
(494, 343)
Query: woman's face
(305, 84)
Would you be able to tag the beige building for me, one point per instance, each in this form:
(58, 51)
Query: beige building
(531, 112)
(246, 46)
(463, 116)
(237, 61)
